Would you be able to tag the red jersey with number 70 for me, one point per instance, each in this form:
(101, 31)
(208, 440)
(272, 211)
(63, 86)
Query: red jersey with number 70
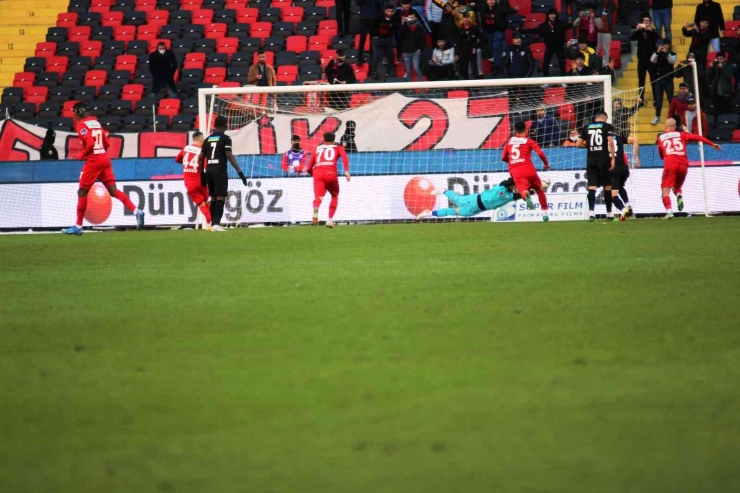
(94, 142)
(518, 153)
(672, 147)
(324, 160)
(188, 157)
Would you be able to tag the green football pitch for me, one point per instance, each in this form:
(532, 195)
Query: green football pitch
(461, 357)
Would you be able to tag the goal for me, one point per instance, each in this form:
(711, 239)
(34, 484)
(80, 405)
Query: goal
(408, 141)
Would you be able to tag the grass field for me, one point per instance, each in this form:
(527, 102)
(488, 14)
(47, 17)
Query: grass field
(560, 357)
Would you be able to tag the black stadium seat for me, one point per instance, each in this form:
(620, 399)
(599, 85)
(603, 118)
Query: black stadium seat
(134, 123)
(98, 108)
(24, 111)
(35, 64)
(61, 124)
(48, 110)
(84, 93)
(109, 92)
(12, 95)
(120, 108)
(182, 123)
(56, 35)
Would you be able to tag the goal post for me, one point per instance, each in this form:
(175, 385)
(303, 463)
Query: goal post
(409, 141)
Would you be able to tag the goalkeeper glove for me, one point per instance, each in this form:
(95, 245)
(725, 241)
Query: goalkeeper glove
(243, 178)
(203, 181)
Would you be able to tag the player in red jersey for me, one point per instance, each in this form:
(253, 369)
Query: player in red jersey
(188, 157)
(672, 150)
(323, 167)
(518, 153)
(97, 167)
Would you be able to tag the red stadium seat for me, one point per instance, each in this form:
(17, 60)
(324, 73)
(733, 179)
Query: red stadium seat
(327, 56)
(91, 48)
(296, 43)
(318, 42)
(99, 9)
(24, 80)
(735, 133)
(67, 109)
(57, 64)
(525, 6)
(214, 75)
(226, 83)
(203, 17)
(361, 73)
(96, 78)
(169, 107)
(191, 5)
(286, 73)
(566, 112)
(269, 58)
(194, 60)
(124, 33)
(731, 29)
(112, 19)
(158, 17)
(78, 34)
(227, 45)
(132, 92)
(357, 43)
(146, 5)
(710, 58)
(281, 4)
(210, 116)
(247, 15)
(147, 32)
(327, 4)
(236, 4)
(554, 95)
(260, 30)
(102, 3)
(531, 21)
(45, 50)
(292, 14)
(215, 31)
(127, 62)
(359, 99)
(36, 95)
(67, 19)
(328, 28)
(457, 94)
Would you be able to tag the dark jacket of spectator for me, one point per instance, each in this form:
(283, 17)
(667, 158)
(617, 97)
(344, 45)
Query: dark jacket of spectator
(699, 42)
(621, 117)
(662, 4)
(493, 18)
(605, 15)
(383, 28)
(662, 63)
(518, 62)
(162, 66)
(343, 72)
(370, 9)
(712, 11)
(553, 34)
(418, 11)
(412, 38)
(545, 131)
(447, 27)
(470, 38)
(646, 39)
(720, 79)
(48, 151)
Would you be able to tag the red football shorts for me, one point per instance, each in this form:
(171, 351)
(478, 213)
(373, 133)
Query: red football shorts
(92, 172)
(323, 184)
(525, 177)
(673, 176)
(197, 193)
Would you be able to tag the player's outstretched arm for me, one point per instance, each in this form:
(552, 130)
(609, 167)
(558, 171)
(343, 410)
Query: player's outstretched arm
(541, 154)
(699, 138)
(345, 161)
(311, 163)
(232, 160)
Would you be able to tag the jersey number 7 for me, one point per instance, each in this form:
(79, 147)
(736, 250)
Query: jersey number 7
(97, 134)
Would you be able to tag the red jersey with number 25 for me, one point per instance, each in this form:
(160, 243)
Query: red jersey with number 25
(518, 153)
(324, 160)
(672, 147)
(188, 157)
(94, 142)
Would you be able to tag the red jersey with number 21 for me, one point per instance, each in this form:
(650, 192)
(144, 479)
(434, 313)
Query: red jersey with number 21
(518, 153)
(672, 147)
(324, 160)
(188, 157)
(94, 142)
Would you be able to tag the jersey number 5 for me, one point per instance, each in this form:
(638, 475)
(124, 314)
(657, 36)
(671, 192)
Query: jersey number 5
(514, 152)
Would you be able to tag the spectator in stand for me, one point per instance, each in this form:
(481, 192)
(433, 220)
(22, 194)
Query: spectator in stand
(585, 110)
(370, 13)
(621, 116)
(553, 33)
(434, 10)
(383, 55)
(646, 38)
(582, 48)
(662, 61)
(163, 65)
(461, 10)
(294, 159)
(518, 60)
(493, 22)
(339, 72)
(663, 15)
(680, 102)
(447, 28)
(572, 140)
(48, 152)
(586, 24)
(348, 139)
(712, 11)
(719, 78)
(471, 40)
(399, 20)
(603, 21)
(685, 70)
(691, 122)
(344, 12)
(544, 129)
(700, 36)
(412, 39)
(261, 74)
(442, 63)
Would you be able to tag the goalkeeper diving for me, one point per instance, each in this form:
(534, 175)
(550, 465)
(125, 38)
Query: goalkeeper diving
(473, 204)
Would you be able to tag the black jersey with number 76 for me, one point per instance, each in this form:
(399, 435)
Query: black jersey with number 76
(215, 147)
(596, 136)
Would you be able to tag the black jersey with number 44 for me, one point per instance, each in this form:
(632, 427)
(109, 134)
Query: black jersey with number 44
(215, 147)
(596, 137)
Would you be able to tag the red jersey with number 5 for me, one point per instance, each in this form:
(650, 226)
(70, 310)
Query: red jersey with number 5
(94, 142)
(188, 157)
(325, 158)
(672, 147)
(518, 153)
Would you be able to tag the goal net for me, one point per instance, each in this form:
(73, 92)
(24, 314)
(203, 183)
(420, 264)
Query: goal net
(407, 142)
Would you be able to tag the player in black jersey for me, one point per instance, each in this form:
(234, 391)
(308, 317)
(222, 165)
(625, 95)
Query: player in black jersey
(621, 172)
(598, 139)
(216, 152)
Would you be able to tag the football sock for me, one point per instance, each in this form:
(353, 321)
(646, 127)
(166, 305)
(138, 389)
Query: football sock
(667, 203)
(126, 201)
(591, 200)
(623, 195)
(217, 210)
(81, 207)
(206, 211)
(617, 202)
(608, 202)
(333, 206)
(450, 211)
(543, 201)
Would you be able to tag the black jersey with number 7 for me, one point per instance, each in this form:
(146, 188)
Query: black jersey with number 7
(215, 147)
(596, 136)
